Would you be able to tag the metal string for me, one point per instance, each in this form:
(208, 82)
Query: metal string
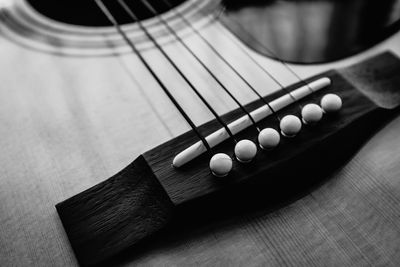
(262, 68)
(135, 18)
(113, 21)
(269, 51)
(152, 9)
(220, 56)
(268, 73)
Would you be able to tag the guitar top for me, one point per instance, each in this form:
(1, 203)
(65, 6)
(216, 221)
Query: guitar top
(88, 88)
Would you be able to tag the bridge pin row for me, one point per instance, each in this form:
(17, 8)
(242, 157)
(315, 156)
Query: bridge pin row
(245, 150)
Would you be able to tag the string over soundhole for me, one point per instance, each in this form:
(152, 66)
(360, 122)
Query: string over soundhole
(76, 12)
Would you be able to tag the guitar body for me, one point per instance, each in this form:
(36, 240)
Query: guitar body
(77, 106)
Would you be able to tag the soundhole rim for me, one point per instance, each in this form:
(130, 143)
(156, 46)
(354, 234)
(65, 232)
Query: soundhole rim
(56, 11)
(27, 27)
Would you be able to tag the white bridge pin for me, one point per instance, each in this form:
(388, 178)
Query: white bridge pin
(331, 103)
(290, 125)
(245, 151)
(311, 113)
(220, 165)
(268, 138)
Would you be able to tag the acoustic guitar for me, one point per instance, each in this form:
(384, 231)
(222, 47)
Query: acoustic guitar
(215, 133)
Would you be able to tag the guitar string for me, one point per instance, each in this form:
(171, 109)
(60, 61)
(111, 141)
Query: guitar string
(179, 39)
(167, 57)
(215, 51)
(269, 74)
(127, 9)
(253, 59)
(113, 21)
(268, 50)
(262, 68)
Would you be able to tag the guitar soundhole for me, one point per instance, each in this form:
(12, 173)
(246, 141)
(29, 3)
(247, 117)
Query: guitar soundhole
(87, 13)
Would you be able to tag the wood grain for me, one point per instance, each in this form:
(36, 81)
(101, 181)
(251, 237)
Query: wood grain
(67, 123)
(133, 209)
(116, 214)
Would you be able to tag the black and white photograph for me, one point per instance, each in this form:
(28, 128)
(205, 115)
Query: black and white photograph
(200, 133)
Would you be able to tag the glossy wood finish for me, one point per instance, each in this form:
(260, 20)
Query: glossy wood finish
(120, 212)
(68, 123)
